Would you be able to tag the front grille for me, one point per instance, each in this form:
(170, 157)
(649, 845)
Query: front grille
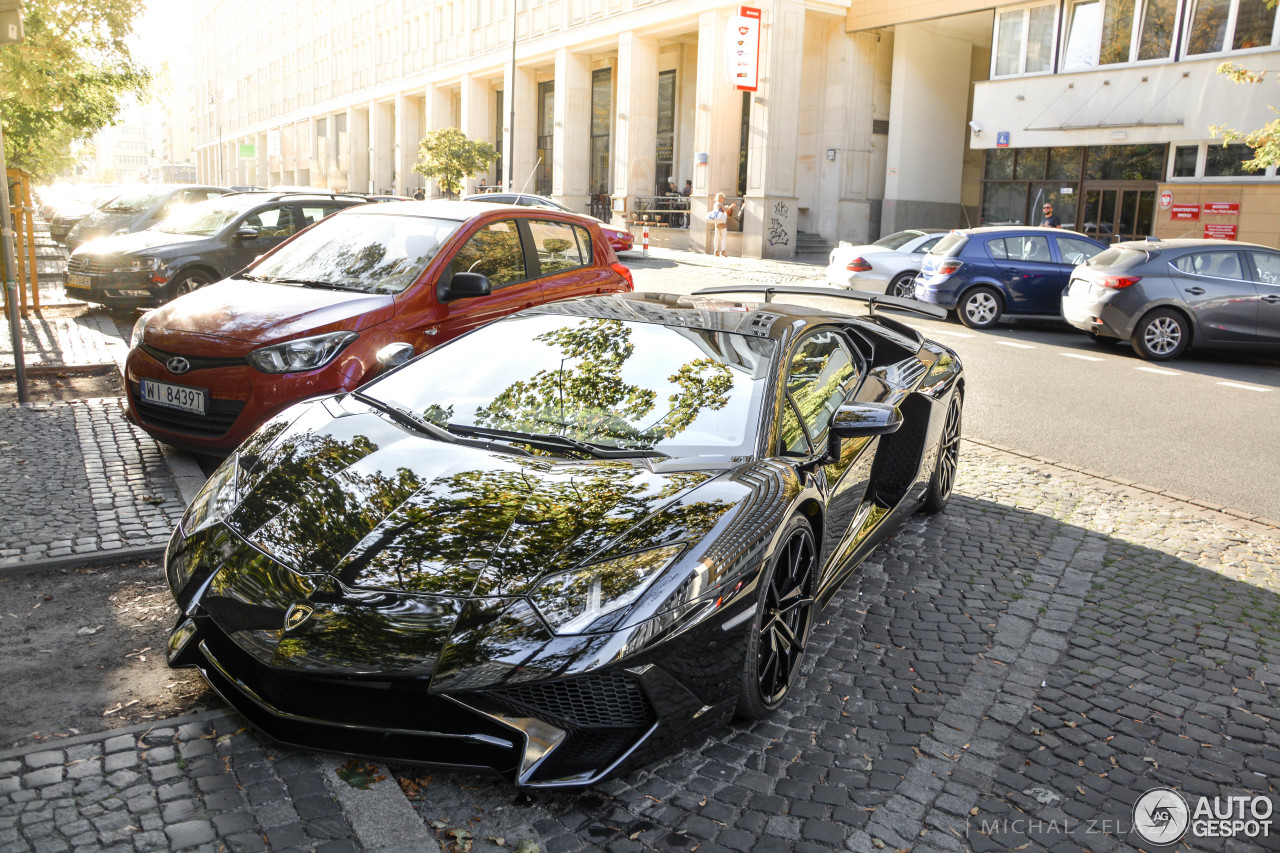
(197, 362)
(604, 715)
(611, 699)
(215, 422)
(90, 264)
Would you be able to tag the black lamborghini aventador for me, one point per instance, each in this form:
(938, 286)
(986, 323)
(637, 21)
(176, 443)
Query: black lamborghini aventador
(562, 544)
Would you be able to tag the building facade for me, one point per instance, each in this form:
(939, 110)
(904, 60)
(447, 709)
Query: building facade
(867, 117)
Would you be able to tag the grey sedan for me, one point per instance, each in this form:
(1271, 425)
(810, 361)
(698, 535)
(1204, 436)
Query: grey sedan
(1165, 296)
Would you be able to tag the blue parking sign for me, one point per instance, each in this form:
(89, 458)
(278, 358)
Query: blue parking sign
(1002, 139)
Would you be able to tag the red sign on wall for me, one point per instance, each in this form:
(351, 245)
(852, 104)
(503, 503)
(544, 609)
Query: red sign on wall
(1189, 212)
(742, 49)
(1220, 230)
(1222, 208)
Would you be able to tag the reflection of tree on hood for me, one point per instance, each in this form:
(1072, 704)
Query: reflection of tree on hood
(587, 398)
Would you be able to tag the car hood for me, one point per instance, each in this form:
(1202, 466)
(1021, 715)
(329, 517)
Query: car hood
(135, 242)
(255, 313)
(399, 538)
(101, 222)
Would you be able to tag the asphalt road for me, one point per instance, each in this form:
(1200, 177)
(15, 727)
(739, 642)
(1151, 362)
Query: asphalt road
(1206, 426)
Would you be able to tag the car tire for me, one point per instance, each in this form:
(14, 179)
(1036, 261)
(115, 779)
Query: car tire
(1161, 335)
(903, 286)
(187, 281)
(943, 481)
(979, 308)
(785, 609)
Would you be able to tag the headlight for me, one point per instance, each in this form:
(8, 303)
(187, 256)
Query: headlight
(216, 498)
(139, 329)
(592, 597)
(138, 265)
(302, 354)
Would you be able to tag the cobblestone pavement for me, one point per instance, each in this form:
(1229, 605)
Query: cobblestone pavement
(204, 786)
(62, 336)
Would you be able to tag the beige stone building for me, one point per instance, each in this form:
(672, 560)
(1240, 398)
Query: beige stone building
(867, 117)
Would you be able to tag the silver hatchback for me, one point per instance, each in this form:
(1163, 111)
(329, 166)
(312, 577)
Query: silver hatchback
(1165, 296)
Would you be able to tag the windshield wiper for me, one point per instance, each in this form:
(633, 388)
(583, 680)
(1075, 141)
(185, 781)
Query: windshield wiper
(557, 442)
(321, 285)
(413, 421)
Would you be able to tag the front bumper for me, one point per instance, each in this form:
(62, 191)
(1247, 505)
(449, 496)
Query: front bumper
(132, 289)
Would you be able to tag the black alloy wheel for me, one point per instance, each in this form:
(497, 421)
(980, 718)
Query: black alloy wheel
(903, 286)
(187, 281)
(943, 481)
(784, 618)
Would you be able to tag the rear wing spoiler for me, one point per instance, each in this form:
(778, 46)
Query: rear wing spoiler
(873, 300)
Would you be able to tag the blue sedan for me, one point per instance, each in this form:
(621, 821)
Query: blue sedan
(984, 274)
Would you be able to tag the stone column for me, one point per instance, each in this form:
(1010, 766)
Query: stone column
(408, 130)
(520, 161)
(930, 90)
(571, 170)
(358, 149)
(716, 127)
(636, 130)
(476, 105)
(770, 218)
(382, 145)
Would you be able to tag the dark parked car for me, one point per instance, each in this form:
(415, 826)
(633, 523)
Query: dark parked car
(984, 274)
(138, 207)
(562, 545)
(66, 212)
(1165, 296)
(314, 315)
(198, 245)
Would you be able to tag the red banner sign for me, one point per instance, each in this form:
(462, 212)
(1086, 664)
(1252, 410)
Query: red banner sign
(742, 49)
(1222, 208)
(1189, 212)
(1220, 230)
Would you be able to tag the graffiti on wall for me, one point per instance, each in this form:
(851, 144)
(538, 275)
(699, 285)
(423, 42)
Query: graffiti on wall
(779, 235)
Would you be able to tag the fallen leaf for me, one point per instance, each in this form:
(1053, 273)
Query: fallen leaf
(87, 631)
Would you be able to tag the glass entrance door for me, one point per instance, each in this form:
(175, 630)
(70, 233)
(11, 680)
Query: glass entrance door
(1114, 214)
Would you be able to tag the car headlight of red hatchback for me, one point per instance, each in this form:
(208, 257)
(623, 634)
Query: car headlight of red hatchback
(301, 354)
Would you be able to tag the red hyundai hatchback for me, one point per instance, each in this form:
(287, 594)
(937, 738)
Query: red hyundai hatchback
(319, 314)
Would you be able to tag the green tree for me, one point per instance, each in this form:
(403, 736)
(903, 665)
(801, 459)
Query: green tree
(449, 157)
(1265, 141)
(67, 80)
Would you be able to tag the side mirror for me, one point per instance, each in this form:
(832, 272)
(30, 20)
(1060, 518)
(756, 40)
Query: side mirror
(464, 285)
(246, 233)
(394, 355)
(859, 420)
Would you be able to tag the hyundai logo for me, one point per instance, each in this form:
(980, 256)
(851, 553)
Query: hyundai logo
(178, 364)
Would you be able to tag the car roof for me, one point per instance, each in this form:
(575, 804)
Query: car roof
(1020, 229)
(773, 320)
(440, 208)
(1187, 243)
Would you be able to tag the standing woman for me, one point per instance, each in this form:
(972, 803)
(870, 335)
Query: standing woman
(719, 219)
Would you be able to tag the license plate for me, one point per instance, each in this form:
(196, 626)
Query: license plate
(175, 396)
(74, 280)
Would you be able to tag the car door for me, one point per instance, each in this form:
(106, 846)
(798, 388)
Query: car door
(496, 250)
(1033, 280)
(822, 372)
(566, 260)
(1265, 267)
(272, 225)
(1224, 300)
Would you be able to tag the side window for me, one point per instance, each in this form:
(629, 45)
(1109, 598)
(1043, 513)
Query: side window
(1029, 248)
(924, 247)
(997, 249)
(821, 375)
(494, 251)
(1266, 267)
(1212, 264)
(313, 213)
(273, 222)
(1075, 251)
(557, 246)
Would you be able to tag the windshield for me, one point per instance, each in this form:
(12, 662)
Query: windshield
(204, 219)
(134, 201)
(895, 241)
(368, 252)
(618, 384)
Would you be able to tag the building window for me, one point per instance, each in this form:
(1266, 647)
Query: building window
(665, 153)
(1024, 41)
(601, 119)
(546, 135)
(743, 137)
(498, 135)
(1109, 32)
(1184, 161)
(1219, 25)
(1226, 161)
